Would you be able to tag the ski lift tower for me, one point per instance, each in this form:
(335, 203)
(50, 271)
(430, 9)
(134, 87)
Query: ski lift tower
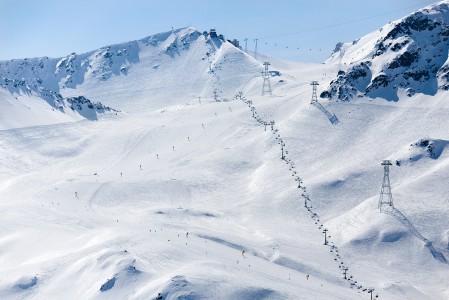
(386, 199)
(255, 49)
(266, 89)
(314, 95)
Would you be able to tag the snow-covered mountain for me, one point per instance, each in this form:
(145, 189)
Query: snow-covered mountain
(145, 69)
(27, 104)
(201, 188)
(407, 56)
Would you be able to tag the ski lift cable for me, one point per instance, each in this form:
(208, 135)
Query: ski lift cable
(343, 23)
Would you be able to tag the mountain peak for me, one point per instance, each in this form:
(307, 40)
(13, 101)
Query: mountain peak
(184, 61)
(409, 54)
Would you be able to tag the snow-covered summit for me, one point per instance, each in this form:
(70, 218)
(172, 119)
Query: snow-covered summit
(73, 69)
(134, 75)
(408, 55)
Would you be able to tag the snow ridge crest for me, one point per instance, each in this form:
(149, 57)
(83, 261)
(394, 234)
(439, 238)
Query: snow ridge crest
(410, 54)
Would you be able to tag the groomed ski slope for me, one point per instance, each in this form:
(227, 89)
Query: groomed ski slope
(188, 198)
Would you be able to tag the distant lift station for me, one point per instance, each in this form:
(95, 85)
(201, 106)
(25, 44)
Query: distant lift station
(213, 33)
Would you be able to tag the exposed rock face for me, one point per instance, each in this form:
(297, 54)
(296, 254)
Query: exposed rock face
(80, 104)
(410, 54)
(87, 108)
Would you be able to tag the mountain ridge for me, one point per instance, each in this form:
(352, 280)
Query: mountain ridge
(137, 70)
(410, 55)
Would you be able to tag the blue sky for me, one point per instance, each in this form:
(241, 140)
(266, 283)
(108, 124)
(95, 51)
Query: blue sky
(54, 28)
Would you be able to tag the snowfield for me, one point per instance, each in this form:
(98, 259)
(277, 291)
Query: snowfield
(182, 192)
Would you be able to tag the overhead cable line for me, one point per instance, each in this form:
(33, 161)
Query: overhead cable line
(339, 24)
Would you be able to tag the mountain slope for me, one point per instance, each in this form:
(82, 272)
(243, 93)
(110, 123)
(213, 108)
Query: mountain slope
(407, 56)
(181, 197)
(143, 71)
(24, 105)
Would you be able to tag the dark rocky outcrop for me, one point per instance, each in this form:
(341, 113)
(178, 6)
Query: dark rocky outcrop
(410, 54)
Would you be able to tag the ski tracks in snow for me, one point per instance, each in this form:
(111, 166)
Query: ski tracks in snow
(303, 193)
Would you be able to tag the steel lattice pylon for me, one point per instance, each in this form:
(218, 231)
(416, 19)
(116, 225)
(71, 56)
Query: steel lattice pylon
(314, 95)
(386, 199)
(266, 89)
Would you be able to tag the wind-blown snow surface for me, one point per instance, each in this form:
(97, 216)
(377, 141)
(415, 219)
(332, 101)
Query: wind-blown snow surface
(186, 198)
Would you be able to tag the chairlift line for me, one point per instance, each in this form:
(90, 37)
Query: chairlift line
(308, 206)
(345, 23)
(313, 50)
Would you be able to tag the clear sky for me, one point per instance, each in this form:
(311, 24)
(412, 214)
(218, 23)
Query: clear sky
(310, 29)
